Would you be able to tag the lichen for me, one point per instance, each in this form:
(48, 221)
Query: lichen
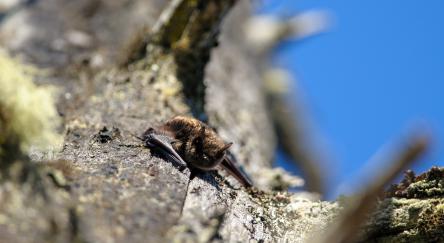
(412, 210)
(291, 217)
(278, 179)
(27, 113)
(406, 220)
(426, 185)
(271, 210)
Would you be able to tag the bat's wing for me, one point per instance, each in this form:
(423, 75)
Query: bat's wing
(161, 142)
(234, 170)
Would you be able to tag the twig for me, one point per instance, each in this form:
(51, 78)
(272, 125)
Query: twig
(292, 131)
(346, 228)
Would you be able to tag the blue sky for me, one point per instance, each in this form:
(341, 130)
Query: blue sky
(378, 70)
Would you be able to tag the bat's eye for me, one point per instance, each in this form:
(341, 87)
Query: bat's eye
(205, 157)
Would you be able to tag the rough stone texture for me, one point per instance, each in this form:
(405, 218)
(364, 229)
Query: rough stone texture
(113, 189)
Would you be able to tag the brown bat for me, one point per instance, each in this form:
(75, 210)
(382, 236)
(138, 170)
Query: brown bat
(188, 141)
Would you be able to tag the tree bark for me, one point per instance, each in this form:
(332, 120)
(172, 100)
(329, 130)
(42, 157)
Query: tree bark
(103, 186)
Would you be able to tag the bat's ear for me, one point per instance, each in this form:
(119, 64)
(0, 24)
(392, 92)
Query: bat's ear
(226, 147)
(221, 152)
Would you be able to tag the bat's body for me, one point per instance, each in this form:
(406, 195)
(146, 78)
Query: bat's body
(189, 141)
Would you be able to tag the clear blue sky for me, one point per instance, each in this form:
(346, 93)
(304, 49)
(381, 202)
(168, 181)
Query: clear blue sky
(379, 68)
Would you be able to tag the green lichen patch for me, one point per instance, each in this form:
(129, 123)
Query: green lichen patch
(406, 220)
(427, 185)
(27, 112)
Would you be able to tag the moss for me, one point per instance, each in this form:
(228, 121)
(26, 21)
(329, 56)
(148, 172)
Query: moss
(407, 220)
(27, 112)
(431, 222)
(426, 185)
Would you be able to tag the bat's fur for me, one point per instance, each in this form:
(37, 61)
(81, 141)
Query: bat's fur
(196, 143)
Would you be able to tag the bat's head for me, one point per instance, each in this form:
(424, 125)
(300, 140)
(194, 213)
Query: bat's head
(207, 149)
